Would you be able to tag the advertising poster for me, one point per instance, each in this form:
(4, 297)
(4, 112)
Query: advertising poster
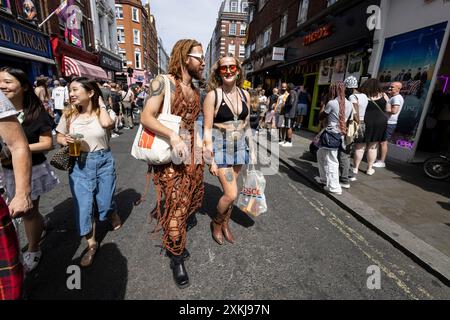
(411, 58)
(355, 65)
(28, 10)
(5, 5)
(339, 66)
(325, 71)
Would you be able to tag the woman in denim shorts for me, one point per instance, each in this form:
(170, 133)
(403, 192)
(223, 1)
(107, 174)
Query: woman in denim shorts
(93, 176)
(226, 109)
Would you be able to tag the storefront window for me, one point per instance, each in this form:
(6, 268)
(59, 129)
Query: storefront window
(411, 58)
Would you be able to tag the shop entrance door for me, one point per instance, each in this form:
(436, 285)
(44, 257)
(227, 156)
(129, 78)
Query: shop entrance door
(310, 84)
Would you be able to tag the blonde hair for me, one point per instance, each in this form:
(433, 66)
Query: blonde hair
(254, 100)
(179, 54)
(215, 80)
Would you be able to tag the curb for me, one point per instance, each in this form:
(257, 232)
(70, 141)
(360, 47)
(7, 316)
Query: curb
(428, 257)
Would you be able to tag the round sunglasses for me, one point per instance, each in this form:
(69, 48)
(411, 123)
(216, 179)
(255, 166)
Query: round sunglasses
(224, 69)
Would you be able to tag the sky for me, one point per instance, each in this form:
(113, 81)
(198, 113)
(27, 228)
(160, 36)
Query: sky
(181, 19)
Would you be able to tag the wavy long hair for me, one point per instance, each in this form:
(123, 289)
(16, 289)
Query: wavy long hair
(88, 85)
(179, 55)
(32, 105)
(337, 91)
(215, 80)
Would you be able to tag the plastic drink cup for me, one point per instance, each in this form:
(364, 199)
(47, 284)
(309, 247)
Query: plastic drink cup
(75, 147)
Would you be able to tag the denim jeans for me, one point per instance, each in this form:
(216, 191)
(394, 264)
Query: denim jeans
(93, 177)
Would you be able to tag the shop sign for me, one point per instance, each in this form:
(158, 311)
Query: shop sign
(109, 62)
(321, 33)
(20, 38)
(278, 54)
(247, 84)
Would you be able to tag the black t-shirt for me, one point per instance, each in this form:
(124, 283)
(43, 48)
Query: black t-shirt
(32, 131)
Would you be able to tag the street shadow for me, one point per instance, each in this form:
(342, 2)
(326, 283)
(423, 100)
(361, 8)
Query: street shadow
(210, 200)
(62, 242)
(444, 205)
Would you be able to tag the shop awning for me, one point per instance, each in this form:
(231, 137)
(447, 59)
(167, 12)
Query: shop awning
(83, 69)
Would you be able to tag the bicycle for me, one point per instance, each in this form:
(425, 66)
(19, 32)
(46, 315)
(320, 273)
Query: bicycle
(437, 167)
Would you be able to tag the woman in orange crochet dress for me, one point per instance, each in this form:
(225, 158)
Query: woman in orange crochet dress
(181, 181)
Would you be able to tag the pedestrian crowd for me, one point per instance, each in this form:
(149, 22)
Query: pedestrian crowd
(83, 115)
(218, 121)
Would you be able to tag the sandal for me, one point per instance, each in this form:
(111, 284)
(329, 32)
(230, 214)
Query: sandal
(88, 258)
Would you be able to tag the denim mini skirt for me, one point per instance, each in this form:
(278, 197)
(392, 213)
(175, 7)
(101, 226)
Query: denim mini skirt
(230, 152)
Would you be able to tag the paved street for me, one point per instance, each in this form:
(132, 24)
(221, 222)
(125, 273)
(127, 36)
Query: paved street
(304, 247)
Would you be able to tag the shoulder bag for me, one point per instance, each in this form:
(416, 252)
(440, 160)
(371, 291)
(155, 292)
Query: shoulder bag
(150, 147)
(61, 159)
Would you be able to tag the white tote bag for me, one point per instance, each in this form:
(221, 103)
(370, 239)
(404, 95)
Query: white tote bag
(148, 146)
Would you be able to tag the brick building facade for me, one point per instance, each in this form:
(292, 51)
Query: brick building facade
(137, 38)
(307, 42)
(230, 32)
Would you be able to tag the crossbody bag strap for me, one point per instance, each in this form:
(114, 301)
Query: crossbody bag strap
(379, 108)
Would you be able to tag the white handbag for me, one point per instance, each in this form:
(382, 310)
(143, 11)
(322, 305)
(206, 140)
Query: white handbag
(148, 146)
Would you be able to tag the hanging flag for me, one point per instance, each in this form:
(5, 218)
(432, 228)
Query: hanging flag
(61, 7)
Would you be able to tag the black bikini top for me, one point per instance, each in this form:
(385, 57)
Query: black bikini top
(225, 114)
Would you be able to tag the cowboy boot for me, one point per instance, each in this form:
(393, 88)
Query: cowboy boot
(225, 229)
(216, 227)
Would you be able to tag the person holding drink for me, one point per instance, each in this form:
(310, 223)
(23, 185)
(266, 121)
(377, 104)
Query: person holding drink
(85, 127)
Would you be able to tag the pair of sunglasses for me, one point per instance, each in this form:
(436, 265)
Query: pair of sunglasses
(224, 69)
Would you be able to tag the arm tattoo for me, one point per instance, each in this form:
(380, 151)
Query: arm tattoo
(229, 175)
(157, 87)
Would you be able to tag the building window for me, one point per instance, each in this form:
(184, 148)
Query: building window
(241, 51)
(136, 37)
(244, 7)
(119, 12)
(232, 29)
(331, 2)
(303, 12)
(232, 49)
(123, 54)
(250, 17)
(233, 6)
(266, 37)
(120, 35)
(283, 25)
(243, 30)
(138, 60)
(135, 14)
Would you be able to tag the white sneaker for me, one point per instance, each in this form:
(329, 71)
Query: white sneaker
(327, 189)
(114, 135)
(370, 172)
(31, 260)
(379, 164)
(352, 179)
(287, 145)
(281, 143)
(355, 171)
(345, 185)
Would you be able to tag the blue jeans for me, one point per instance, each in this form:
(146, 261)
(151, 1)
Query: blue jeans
(93, 177)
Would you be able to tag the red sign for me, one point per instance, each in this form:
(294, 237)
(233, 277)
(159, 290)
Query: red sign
(317, 35)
